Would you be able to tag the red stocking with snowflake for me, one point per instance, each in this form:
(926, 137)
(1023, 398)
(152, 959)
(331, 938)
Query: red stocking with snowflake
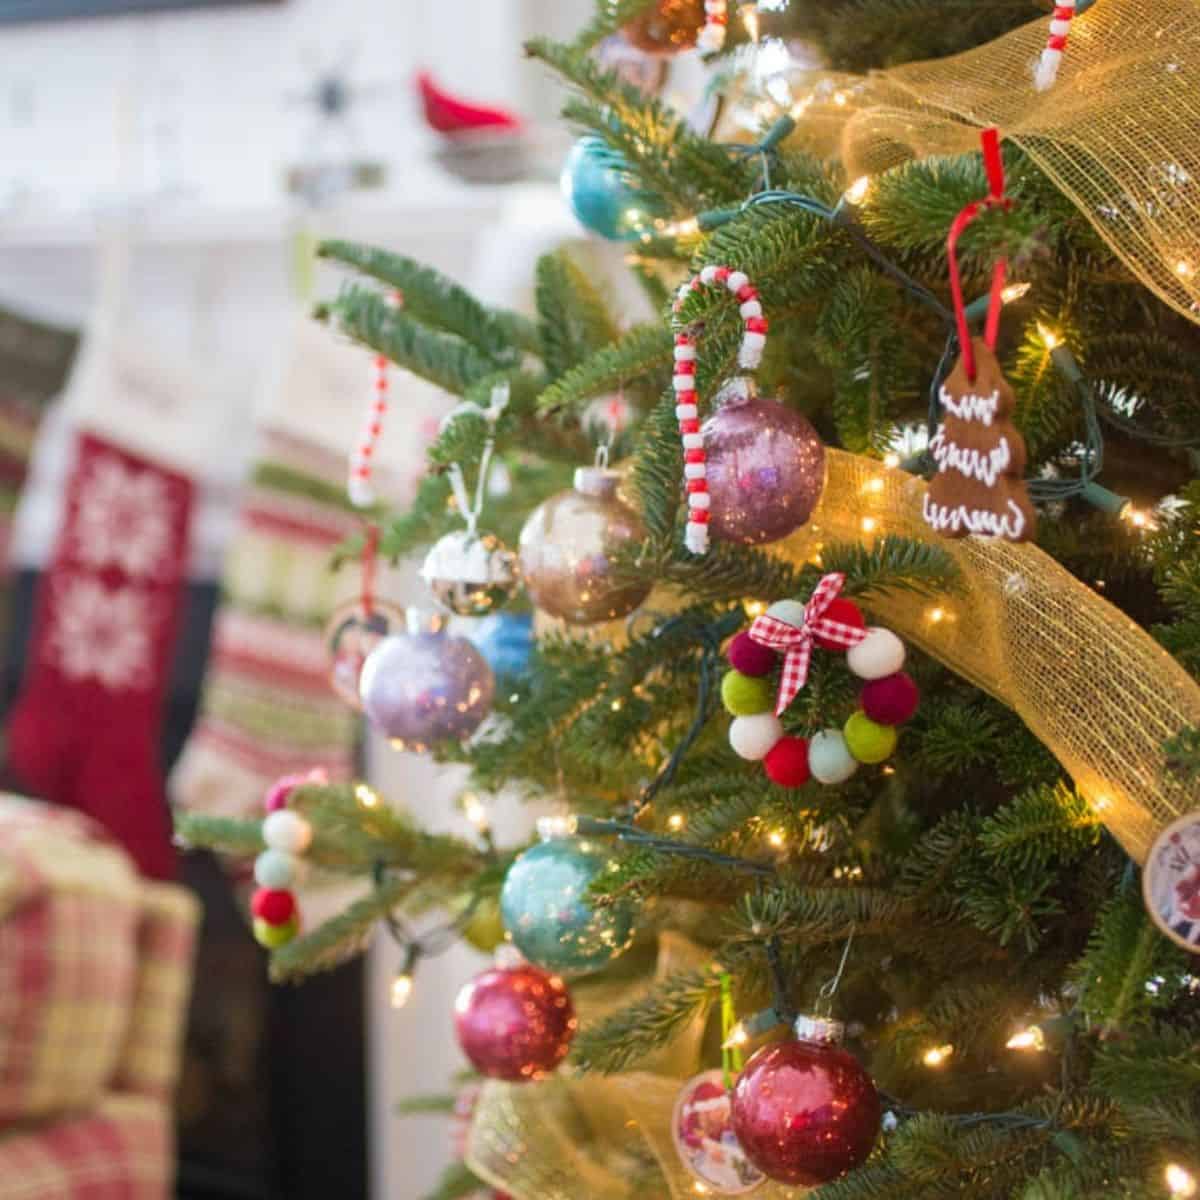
(85, 731)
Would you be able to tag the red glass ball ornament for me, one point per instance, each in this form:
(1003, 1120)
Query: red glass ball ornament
(848, 613)
(805, 1112)
(891, 700)
(750, 657)
(273, 905)
(786, 762)
(515, 1023)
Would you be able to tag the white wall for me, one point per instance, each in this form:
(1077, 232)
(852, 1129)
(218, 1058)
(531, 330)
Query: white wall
(169, 134)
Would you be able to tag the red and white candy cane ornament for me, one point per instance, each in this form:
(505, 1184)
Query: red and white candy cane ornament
(1046, 71)
(754, 340)
(358, 483)
(716, 24)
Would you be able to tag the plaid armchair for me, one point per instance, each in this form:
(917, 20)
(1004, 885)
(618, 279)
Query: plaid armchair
(95, 969)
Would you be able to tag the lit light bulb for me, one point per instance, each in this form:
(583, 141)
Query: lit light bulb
(402, 989)
(936, 1056)
(1180, 1180)
(868, 524)
(688, 228)
(737, 1037)
(563, 825)
(366, 796)
(1028, 1039)
(1139, 518)
(891, 460)
(1050, 339)
(1101, 804)
(676, 821)
(874, 484)
(1015, 291)
(754, 608)
(856, 193)
(936, 615)
(475, 811)
(1184, 269)
(776, 838)
(839, 98)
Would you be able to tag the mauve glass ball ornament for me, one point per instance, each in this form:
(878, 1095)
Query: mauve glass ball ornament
(515, 1023)
(545, 906)
(805, 1112)
(425, 686)
(766, 468)
(471, 574)
(567, 549)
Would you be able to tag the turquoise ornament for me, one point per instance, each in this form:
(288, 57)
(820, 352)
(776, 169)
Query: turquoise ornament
(546, 911)
(595, 184)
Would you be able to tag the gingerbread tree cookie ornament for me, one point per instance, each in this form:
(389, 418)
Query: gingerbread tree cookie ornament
(980, 457)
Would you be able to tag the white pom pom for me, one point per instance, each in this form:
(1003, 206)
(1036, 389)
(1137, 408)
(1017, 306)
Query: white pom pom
(699, 500)
(879, 654)
(287, 831)
(685, 353)
(276, 870)
(686, 412)
(695, 470)
(361, 493)
(752, 308)
(829, 758)
(737, 280)
(753, 737)
(708, 274)
(693, 441)
(789, 611)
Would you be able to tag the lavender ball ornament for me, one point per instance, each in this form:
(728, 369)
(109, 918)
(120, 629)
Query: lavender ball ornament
(766, 469)
(425, 686)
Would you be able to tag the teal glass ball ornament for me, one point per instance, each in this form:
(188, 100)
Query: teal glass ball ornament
(595, 184)
(546, 911)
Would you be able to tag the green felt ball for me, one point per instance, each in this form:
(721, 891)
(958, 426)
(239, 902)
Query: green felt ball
(745, 695)
(868, 742)
(274, 936)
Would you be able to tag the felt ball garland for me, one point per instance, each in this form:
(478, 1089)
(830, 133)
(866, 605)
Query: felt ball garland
(288, 834)
(687, 410)
(783, 639)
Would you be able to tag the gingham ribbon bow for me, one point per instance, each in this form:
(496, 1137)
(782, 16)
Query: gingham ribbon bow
(796, 642)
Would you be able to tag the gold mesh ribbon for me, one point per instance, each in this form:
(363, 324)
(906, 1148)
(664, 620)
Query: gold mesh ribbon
(1093, 686)
(1119, 133)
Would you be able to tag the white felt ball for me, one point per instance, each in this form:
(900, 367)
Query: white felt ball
(879, 654)
(288, 831)
(829, 758)
(276, 870)
(789, 611)
(753, 737)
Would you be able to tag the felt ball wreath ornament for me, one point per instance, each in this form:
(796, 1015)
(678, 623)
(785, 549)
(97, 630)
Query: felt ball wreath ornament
(784, 639)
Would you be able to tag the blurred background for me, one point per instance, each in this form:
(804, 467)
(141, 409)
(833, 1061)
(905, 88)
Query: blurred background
(165, 168)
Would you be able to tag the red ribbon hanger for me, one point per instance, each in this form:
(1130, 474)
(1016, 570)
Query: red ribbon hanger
(994, 166)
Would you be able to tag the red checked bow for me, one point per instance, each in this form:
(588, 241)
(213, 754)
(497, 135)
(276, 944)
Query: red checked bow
(796, 642)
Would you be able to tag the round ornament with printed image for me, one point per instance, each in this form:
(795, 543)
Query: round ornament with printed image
(1171, 882)
(702, 1130)
(350, 636)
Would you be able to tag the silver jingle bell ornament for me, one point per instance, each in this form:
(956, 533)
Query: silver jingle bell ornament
(471, 574)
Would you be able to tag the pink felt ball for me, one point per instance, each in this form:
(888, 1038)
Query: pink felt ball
(846, 612)
(280, 791)
(750, 657)
(787, 762)
(891, 700)
(273, 905)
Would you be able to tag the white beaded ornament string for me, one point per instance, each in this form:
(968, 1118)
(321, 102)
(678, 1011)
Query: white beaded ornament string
(754, 340)
(472, 509)
(358, 485)
(1046, 71)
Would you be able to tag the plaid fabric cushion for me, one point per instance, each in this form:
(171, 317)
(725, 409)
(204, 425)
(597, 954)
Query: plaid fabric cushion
(121, 1150)
(69, 905)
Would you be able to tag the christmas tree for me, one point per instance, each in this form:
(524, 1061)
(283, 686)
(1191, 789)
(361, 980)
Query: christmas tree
(944, 819)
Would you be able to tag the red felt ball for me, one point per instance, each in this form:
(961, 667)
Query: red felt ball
(891, 700)
(848, 613)
(515, 1023)
(750, 657)
(273, 905)
(805, 1112)
(787, 762)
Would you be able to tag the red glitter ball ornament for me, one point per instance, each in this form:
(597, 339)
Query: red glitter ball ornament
(515, 1023)
(786, 762)
(273, 905)
(805, 1112)
(750, 657)
(848, 613)
(891, 700)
